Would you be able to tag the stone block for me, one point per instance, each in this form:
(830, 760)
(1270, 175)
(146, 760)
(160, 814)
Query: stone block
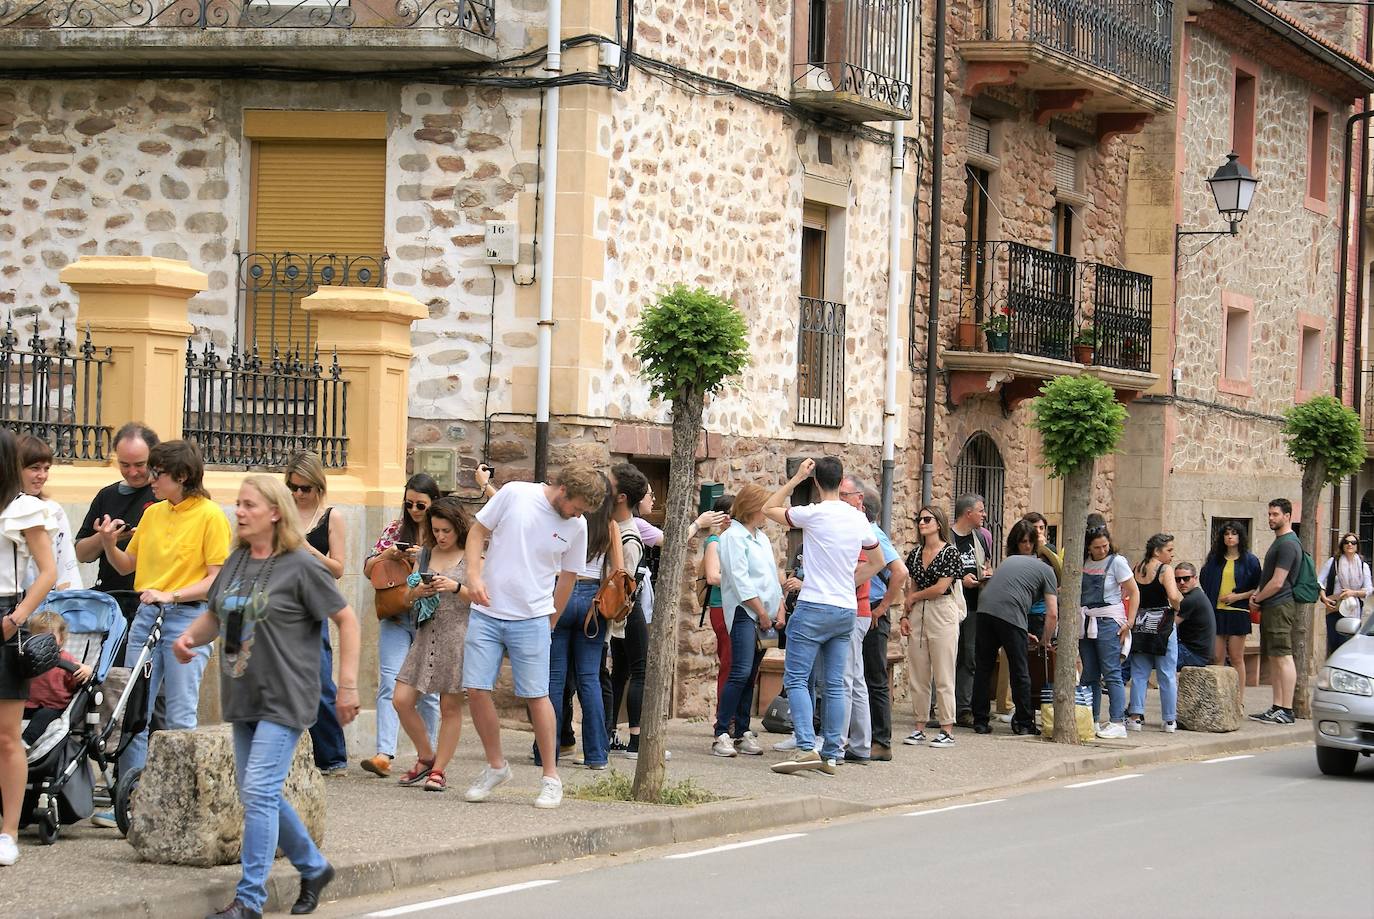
(186, 809)
(1209, 699)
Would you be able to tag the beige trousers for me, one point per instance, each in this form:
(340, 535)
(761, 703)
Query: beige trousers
(930, 653)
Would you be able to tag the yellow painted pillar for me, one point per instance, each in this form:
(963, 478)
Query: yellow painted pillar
(137, 307)
(369, 329)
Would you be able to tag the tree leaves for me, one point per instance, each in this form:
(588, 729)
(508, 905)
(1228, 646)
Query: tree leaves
(690, 341)
(1079, 420)
(1325, 429)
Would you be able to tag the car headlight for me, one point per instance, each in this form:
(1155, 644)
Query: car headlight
(1336, 680)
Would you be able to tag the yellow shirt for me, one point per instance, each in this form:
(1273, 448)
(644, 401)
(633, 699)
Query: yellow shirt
(175, 544)
(1228, 583)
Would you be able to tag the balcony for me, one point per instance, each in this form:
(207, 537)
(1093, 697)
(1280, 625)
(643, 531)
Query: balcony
(1110, 58)
(820, 363)
(853, 58)
(342, 35)
(1027, 315)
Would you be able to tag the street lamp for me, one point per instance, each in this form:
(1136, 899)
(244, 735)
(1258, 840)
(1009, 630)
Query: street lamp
(1233, 188)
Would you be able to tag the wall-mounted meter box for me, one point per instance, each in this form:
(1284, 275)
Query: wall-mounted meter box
(502, 242)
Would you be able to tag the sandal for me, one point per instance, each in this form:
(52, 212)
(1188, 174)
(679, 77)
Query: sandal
(417, 772)
(436, 781)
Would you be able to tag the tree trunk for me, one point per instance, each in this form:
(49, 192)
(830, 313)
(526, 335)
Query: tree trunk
(1077, 497)
(658, 678)
(1308, 641)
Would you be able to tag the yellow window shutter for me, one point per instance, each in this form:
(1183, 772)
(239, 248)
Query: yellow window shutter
(311, 198)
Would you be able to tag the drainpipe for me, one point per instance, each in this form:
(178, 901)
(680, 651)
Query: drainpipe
(1357, 389)
(937, 176)
(548, 213)
(894, 338)
(1343, 274)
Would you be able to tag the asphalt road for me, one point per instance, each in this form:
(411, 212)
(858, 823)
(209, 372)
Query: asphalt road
(1251, 836)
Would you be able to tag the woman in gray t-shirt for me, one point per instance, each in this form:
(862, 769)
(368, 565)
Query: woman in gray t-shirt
(269, 604)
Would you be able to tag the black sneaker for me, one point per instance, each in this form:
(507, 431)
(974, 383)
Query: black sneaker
(982, 727)
(943, 740)
(1271, 716)
(1284, 716)
(914, 738)
(615, 745)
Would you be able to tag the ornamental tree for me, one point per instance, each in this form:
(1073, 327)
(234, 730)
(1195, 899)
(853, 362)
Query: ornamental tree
(689, 343)
(1079, 420)
(1326, 440)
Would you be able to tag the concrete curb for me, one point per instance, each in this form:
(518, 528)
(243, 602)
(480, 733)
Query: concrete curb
(399, 870)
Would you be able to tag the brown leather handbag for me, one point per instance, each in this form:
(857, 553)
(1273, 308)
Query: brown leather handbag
(388, 579)
(615, 598)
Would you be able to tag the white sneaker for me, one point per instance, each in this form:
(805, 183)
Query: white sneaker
(1112, 731)
(550, 793)
(723, 746)
(749, 744)
(786, 746)
(487, 782)
(9, 852)
(1170, 727)
(1136, 724)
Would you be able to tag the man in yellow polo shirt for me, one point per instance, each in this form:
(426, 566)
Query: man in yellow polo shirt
(174, 556)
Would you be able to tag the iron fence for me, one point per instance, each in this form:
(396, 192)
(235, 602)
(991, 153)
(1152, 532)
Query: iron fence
(820, 363)
(1025, 294)
(1130, 38)
(251, 412)
(1122, 317)
(272, 284)
(475, 16)
(52, 390)
(865, 47)
(1367, 403)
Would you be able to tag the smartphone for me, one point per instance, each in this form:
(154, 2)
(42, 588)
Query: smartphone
(404, 546)
(427, 577)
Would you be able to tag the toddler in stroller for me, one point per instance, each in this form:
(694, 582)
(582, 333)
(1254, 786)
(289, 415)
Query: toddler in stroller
(51, 692)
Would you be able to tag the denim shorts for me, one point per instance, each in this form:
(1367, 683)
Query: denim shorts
(524, 641)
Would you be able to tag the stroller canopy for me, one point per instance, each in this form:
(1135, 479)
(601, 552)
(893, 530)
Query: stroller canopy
(90, 612)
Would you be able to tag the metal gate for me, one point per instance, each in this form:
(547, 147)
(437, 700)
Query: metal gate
(980, 471)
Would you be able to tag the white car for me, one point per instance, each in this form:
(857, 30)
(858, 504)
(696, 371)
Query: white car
(1343, 703)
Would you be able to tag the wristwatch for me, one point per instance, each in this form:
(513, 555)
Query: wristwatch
(176, 597)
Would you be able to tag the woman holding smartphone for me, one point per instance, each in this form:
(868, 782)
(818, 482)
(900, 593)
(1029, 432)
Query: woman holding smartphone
(399, 542)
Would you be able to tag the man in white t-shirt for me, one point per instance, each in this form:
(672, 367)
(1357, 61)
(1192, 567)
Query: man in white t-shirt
(834, 536)
(538, 544)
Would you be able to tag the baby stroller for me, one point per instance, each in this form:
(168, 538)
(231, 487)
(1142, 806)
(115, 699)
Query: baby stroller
(98, 723)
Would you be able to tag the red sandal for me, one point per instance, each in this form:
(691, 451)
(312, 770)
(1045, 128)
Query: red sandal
(417, 772)
(436, 781)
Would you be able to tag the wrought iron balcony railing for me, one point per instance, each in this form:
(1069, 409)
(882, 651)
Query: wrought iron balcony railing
(53, 390)
(857, 59)
(1367, 402)
(271, 286)
(1132, 39)
(475, 16)
(820, 363)
(1122, 316)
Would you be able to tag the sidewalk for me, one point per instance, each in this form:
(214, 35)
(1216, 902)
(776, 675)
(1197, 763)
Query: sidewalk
(382, 836)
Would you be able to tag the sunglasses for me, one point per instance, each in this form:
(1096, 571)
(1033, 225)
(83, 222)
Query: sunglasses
(1350, 542)
(925, 518)
(1184, 577)
(157, 472)
(416, 506)
(303, 489)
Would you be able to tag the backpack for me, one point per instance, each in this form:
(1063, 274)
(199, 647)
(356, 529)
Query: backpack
(1306, 588)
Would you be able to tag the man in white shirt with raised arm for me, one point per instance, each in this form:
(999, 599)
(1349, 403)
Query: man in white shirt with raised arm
(834, 537)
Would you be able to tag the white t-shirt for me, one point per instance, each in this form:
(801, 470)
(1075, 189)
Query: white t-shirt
(833, 536)
(23, 513)
(64, 551)
(1114, 571)
(531, 543)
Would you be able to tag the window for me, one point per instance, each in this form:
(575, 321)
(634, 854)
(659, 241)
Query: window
(821, 326)
(1062, 235)
(1318, 144)
(1310, 329)
(1235, 344)
(1243, 115)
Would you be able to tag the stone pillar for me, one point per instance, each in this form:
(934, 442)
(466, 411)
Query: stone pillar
(369, 329)
(137, 307)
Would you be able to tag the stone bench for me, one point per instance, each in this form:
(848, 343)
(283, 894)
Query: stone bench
(186, 810)
(1208, 699)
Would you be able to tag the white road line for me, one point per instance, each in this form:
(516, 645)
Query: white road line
(1115, 778)
(461, 898)
(736, 845)
(1230, 759)
(953, 807)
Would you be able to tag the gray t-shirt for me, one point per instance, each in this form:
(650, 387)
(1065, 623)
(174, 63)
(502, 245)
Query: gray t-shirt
(1286, 553)
(1016, 584)
(277, 606)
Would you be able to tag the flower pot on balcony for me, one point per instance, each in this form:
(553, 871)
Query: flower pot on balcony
(998, 341)
(967, 338)
(1083, 354)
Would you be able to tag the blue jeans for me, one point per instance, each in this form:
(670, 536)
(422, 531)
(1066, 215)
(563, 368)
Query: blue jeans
(738, 696)
(262, 758)
(331, 750)
(1101, 658)
(179, 682)
(1166, 673)
(817, 633)
(1186, 658)
(394, 638)
(571, 645)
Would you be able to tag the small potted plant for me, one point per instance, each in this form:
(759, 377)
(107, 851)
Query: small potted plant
(997, 329)
(1083, 345)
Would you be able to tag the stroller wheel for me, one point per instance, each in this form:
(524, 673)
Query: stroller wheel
(123, 798)
(49, 827)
